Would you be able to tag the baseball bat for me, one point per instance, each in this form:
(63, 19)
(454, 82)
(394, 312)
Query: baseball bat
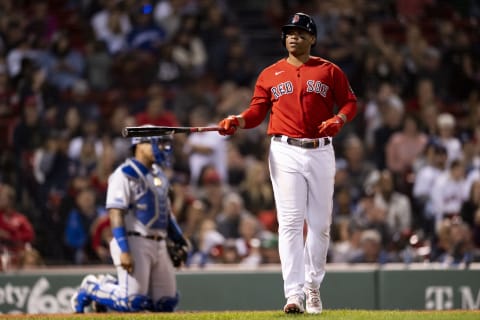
(130, 132)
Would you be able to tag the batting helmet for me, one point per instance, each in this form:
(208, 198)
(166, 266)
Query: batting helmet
(302, 21)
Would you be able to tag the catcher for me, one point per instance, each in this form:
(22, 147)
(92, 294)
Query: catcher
(147, 243)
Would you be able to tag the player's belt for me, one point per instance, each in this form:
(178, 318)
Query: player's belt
(303, 143)
(148, 236)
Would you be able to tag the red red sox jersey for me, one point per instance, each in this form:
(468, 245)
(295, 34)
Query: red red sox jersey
(300, 98)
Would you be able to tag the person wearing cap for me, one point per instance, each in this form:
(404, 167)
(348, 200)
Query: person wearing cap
(141, 220)
(308, 100)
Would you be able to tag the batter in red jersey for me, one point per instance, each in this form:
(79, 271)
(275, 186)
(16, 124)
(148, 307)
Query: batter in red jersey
(310, 100)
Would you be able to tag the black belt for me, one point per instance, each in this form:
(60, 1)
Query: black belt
(148, 236)
(307, 144)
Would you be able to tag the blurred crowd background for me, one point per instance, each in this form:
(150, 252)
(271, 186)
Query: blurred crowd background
(73, 73)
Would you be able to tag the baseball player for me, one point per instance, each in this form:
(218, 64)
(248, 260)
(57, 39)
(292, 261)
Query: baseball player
(302, 93)
(141, 220)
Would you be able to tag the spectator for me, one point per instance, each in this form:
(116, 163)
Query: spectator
(435, 166)
(51, 165)
(100, 236)
(397, 206)
(374, 110)
(112, 24)
(454, 246)
(405, 147)
(446, 124)
(392, 120)
(346, 244)
(86, 162)
(209, 246)
(28, 135)
(211, 191)
(9, 107)
(205, 148)
(72, 123)
(98, 65)
(104, 166)
(358, 167)
(16, 231)
(168, 14)
(64, 64)
(156, 114)
(471, 206)
(448, 193)
(371, 249)
(256, 189)
(189, 52)
(236, 165)
(79, 223)
(42, 23)
(31, 258)
(232, 214)
(248, 245)
(81, 99)
(90, 132)
(238, 68)
(368, 215)
(145, 35)
(402, 149)
(169, 71)
(269, 249)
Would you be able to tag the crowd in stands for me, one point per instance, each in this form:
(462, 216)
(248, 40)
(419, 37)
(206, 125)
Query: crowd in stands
(74, 73)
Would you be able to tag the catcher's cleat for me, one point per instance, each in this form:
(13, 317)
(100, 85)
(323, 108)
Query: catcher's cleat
(79, 301)
(294, 305)
(313, 301)
(98, 308)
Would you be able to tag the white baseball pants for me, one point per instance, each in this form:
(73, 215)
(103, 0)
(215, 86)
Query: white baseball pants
(303, 184)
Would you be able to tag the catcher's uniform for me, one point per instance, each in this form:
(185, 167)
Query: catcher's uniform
(143, 195)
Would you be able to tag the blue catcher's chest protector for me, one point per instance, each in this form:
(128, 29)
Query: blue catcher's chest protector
(150, 199)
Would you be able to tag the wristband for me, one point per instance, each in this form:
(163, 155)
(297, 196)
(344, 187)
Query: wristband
(120, 234)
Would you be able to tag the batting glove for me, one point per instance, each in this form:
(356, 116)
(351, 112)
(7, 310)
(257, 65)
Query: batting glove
(330, 127)
(228, 126)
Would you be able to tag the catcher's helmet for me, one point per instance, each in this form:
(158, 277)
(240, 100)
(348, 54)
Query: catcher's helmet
(302, 21)
(161, 146)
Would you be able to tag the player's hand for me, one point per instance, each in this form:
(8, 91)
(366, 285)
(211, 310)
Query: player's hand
(330, 127)
(228, 126)
(126, 261)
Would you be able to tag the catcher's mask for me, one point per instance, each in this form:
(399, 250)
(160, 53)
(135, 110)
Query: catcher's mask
(302, 21)
(161, 146)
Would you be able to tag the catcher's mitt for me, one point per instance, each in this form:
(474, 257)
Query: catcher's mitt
(178, 252)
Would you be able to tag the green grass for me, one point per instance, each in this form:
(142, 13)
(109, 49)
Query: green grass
(267, 315)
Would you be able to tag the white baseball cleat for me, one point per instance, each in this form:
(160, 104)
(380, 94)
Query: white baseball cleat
(313, 301)
(294, 305)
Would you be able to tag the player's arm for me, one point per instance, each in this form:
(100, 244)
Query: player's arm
(120, 234)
